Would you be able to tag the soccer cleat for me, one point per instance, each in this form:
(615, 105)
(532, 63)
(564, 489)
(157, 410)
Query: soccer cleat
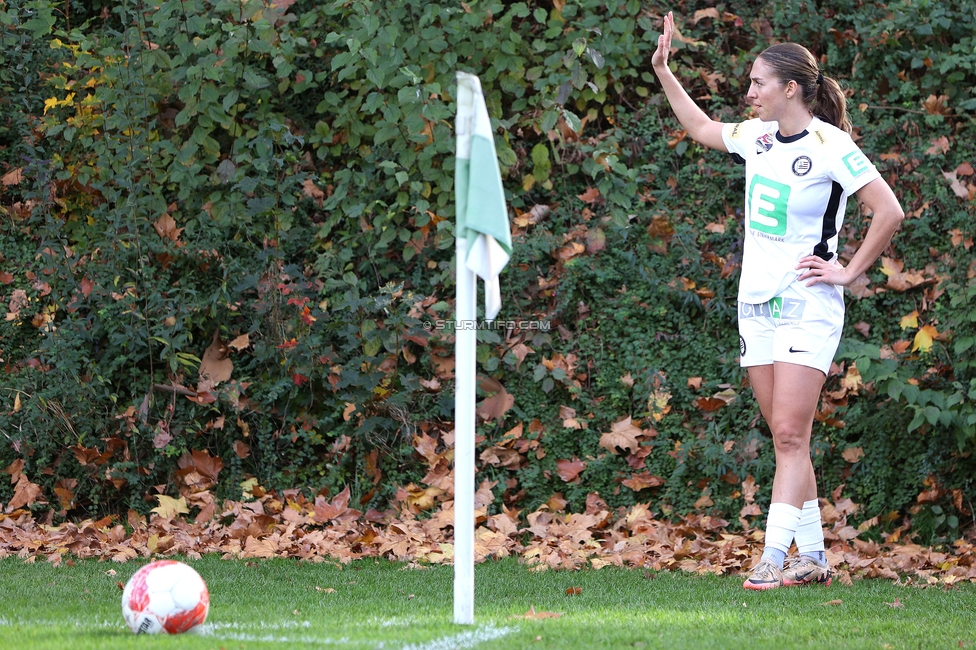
(806, 571)
(766, 575)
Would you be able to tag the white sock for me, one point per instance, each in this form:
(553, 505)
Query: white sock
(781, 524)
(809, 534)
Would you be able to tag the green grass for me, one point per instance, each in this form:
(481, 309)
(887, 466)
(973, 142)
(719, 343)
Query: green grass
(275, 604)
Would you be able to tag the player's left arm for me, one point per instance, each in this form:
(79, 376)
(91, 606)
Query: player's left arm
(887, 216)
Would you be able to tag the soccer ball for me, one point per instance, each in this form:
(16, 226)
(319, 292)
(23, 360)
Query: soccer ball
(166, 597)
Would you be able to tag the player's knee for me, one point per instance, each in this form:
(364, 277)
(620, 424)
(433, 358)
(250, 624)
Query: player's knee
(790, 439)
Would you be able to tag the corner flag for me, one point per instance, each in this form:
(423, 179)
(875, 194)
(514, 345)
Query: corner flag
(483, 248)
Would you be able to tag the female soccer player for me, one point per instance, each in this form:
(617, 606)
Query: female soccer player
(801, 165)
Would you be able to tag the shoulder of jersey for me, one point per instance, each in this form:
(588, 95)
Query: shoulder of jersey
(828, 134)
(742, 128)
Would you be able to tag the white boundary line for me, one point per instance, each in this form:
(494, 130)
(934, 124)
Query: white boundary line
(464, 639)
(263, 632)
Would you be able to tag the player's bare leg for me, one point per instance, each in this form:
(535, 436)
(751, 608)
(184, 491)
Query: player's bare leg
(788, 395)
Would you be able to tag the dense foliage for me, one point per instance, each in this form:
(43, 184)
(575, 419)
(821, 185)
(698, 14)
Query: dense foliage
(224, 225)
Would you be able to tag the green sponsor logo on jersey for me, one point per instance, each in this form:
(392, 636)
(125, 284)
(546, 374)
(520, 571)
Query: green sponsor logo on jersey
(767, 205)
(856, 163)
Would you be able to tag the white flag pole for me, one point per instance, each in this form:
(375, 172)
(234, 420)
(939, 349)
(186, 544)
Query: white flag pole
(484, 246)
(465, 344)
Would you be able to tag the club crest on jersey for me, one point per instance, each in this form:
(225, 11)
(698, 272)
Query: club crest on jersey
(764, 143)
(802, 165)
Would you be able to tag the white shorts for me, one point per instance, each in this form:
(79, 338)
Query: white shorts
(801, 326)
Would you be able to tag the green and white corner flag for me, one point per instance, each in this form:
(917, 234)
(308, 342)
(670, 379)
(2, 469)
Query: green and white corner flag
(483, 245)
(482, 218)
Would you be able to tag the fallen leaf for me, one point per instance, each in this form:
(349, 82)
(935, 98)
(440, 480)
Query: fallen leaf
(897, 604)
(13, 177)
(853, 454)
(25, 494)
(837, 601)
(216, 366)
(590, 195)
(166, 228)
(169, 507)
(574, 591)
(622, 435)
(711, 12)
(643, 481)
(495, 406)
(924, 338)
(909, 321)
(569, 470)
(958, 187)
(939, 146)
(242, 342)
(312, 191)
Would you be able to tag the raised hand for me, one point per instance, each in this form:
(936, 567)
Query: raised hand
(660, 57)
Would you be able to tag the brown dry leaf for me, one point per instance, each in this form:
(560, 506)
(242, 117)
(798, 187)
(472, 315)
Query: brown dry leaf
(216, 366)
(853, 454)
(897, 604)
(836, 601)
(25, 494)
(574, 591)
(443, 366)
(643, 481)
(13, 177)
(591, 195)
(242, 342)
(711, 12)
(498, 404)
(936, 105)
(900, 346)
(694, 383)
(166, 228)
(532, 614)
(568, 416)
(14, 469)
(622, 435)
(6, 277)
(569, 251)
(569, 470)
(939, 146)
(958, 187)
(627, 380)
(348, 411)
(312, 191)
(242, 449)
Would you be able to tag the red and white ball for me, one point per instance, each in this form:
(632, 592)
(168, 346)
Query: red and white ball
(165, 597)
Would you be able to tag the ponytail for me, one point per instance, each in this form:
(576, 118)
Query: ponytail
(822, 94)
(830, 104)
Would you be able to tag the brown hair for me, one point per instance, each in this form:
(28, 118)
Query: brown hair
(793, 62)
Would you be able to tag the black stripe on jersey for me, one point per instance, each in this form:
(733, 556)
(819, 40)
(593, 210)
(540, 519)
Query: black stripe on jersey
(829, 222)
(786, 139)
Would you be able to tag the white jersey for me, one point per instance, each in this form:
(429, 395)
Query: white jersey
(796, 196)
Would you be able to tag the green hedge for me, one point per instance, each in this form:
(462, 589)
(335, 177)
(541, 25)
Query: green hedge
(196, 172)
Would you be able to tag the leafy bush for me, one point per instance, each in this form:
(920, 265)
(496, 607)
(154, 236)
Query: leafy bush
(232, 219)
